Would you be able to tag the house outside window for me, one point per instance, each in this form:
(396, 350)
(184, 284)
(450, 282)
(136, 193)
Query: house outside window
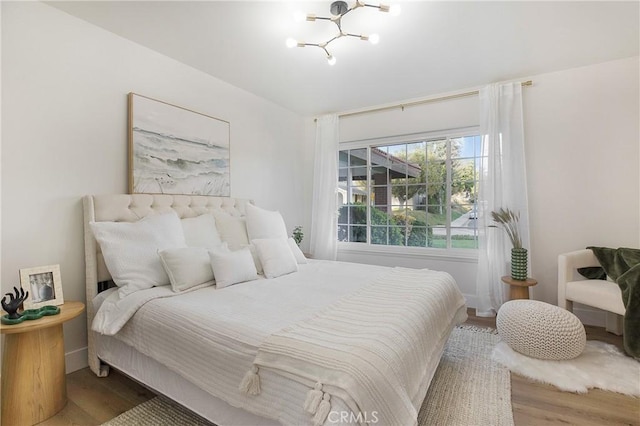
(418, 192)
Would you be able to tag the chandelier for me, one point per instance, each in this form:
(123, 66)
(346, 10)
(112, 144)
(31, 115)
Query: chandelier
(339, 9)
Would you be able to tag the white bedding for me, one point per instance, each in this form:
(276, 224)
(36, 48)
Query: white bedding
(211, 336)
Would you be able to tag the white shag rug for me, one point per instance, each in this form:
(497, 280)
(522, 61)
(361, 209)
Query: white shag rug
(601, 365)
(468, 389)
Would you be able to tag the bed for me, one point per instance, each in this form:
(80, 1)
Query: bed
(293, 336)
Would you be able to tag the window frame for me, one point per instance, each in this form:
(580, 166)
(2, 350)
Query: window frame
(448, 253)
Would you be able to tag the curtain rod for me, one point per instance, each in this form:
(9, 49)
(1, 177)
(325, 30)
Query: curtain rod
(415, 103)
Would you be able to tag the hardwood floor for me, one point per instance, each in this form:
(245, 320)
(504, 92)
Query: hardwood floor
(93, 400)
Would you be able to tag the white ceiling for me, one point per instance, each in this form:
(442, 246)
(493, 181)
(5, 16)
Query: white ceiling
(431, 48)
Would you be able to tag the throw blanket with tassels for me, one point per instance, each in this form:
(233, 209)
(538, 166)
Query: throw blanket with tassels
(372, 349)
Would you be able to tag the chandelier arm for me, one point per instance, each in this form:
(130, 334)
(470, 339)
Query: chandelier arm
(336, 7)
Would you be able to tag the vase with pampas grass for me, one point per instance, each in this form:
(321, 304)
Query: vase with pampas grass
(510, 222)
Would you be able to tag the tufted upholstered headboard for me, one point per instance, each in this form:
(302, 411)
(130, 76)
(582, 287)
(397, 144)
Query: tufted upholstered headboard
(131, 208)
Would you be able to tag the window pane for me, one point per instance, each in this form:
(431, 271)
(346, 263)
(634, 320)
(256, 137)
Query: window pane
(399, 194)
(343, 159)
(463, 147)
(358, 215)
(398, 151)
(436, 193)
(358, 157)
(379, 175)
(359, 173)
(379, 215)
(436, 172)
(342, 174)
(396, 236)
(380, 156)
(399, 216)
(358, 234)
(396, 178)
(464, 238)
(343, 233)
(437, 215)
(381, 195)
(417, 236)
(379, 235)
(437, 150)
(416, 194)
(343, 214)
(438, 237)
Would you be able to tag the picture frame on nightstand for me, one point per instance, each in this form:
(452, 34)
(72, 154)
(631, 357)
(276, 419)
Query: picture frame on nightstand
(44, 286)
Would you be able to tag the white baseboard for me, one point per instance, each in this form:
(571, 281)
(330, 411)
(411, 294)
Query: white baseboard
(76, 360)
(471, 299)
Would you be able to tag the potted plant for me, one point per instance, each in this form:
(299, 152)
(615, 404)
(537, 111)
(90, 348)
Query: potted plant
(297, 234)
(510, 222)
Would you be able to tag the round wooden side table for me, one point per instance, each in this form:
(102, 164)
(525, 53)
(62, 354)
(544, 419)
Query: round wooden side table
(518, 289)
(34, 385)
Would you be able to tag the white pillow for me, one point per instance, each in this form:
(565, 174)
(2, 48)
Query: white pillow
(232, 267)
(130, 250)
(187, 267)
(232, 229)
(264, 223)
(254, 254)
(276, 256)
(297, 253)
(200, 231)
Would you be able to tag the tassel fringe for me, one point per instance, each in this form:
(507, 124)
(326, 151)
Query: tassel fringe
(314, 396)
(323, 410)
(250, 384)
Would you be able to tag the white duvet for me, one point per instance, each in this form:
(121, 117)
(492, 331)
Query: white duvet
(211, 336)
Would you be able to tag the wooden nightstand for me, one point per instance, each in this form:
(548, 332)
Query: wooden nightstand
(34, 385)
(518, 289)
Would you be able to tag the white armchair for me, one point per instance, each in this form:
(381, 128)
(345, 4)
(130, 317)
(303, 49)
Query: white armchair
(573, 287)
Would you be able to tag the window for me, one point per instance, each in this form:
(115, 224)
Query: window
(418, 193)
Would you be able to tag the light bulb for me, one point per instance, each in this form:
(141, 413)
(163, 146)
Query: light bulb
(331, 60)
(291, 43)
(374, 38)
(394, 10)
(299, 16)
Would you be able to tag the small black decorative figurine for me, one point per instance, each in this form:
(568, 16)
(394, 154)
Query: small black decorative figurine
(14, 302)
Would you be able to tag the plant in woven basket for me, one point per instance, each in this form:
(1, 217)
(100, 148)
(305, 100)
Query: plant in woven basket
(510, 222)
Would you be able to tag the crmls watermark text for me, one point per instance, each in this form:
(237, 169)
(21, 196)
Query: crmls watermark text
(350, 417)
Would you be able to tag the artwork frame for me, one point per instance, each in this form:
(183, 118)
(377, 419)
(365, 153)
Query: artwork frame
(44, 285)
(174, 150)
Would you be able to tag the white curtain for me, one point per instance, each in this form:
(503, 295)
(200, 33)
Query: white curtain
(502, 184)
(324, 217)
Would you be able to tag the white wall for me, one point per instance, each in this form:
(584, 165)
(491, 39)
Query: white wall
(582, 130)
(582, 145)
(64, 134)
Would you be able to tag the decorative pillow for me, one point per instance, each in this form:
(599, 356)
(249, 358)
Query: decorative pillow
(264, 223)
(232, 267)
(276, 256)
(232, 229)
(187, 266)
(297, 253)
(200, 231)
(130, 250)
(256, 259)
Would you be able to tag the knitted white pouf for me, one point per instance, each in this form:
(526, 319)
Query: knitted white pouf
(540, 330)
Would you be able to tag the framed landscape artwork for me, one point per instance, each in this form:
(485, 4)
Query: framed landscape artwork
(173, 150)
